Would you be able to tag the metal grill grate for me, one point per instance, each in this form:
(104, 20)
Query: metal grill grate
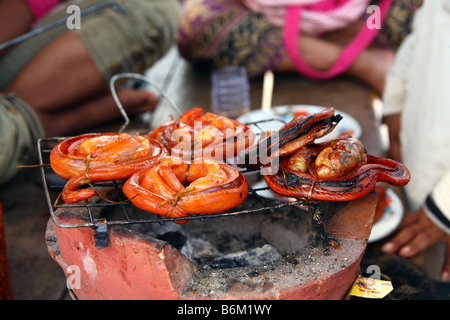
(98, 208)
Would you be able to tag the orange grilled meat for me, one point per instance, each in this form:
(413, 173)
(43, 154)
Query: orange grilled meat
(338, 170)
(381, 203)
(330, 160)
(198, 134)
(101, 157)
(289, 138)
(295, 166)
(176, 189)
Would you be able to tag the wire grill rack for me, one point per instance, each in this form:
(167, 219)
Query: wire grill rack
(98, 209)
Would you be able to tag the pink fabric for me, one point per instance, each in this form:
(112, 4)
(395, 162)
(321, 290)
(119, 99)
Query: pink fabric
(40, 7)
(317, 17)
(326, 5)
(290, 35)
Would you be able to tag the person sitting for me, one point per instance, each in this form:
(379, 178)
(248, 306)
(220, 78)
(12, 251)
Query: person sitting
(252, 33)
(57, 82)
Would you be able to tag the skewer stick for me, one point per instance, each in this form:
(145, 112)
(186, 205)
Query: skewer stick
(267, 90)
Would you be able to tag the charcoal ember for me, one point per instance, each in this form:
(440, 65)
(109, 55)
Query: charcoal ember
(174, 238)
(178, 240)
(203, 251)
(251, 257)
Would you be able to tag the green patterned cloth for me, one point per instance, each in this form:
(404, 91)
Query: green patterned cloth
(20, 129)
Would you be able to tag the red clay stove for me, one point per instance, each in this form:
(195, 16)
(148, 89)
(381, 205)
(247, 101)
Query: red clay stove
(5, 278)
(136, 265)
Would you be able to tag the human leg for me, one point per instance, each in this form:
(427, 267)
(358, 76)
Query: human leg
(92, 112)
(77, 98)
(16, 19)
(59, 75)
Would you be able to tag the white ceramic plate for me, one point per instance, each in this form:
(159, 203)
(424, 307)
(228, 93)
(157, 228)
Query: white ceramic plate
(390, 219)
(268, 193)
(284, 114)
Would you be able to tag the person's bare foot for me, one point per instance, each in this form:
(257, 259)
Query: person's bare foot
(96, 112)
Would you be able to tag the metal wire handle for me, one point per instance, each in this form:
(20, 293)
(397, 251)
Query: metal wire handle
(138, 77)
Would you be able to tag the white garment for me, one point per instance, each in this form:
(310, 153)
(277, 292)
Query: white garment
(418, 86)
